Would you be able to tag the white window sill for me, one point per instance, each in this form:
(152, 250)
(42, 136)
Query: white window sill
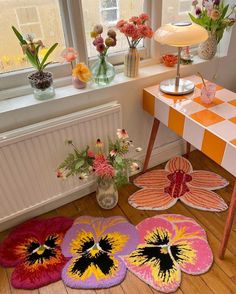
(28, 101)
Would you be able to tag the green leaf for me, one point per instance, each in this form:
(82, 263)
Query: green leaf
(224, 11)
(19, 36)
(79, 164)
(118, 159)
(46, 64)
(50, 50)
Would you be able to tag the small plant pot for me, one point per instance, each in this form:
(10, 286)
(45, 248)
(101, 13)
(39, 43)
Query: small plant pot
(42, 85)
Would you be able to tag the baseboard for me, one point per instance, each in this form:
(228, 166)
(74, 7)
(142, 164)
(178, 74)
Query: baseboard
(159, 155)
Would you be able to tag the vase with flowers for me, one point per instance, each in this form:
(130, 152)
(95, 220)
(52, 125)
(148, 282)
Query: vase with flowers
(215, 16)
(111, 169)
(102, 70)
(41, 81)
(135, 30)
(80, 72)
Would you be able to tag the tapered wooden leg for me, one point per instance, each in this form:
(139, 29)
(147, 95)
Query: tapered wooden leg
(228, 224)
(152, 138)
(188, 148)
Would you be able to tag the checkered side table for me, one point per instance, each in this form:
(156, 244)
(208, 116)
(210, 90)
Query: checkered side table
(211, 128)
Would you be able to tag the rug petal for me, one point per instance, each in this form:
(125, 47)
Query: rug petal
(207, 180)
(102, 272)
(194, 256)
(30, 277)
(78, 239)
(178, 163)
(154, 267)
(156, 231)
(151, 199)
(204, 200)
(153, 179)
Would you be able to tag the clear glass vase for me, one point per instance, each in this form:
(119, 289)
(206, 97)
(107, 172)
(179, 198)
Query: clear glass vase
(103, 71)
(106, 194)
(42, 85)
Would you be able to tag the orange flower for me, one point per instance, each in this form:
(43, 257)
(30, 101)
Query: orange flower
(82, 72)
(69, 54)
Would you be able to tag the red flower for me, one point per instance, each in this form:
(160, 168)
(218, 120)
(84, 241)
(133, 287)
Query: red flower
(33, 248)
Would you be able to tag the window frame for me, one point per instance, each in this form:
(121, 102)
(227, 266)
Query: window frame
(109, 23)
(14, 83)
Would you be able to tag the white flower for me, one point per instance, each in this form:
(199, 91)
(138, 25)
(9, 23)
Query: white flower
(138, 149)
(83, 176)
(122, 134)
(134, 167)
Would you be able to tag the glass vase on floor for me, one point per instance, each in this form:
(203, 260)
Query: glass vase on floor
(42, 85)
(106, 194)
(103, 71)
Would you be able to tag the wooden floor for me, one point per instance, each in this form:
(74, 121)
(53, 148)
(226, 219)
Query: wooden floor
(221, 279)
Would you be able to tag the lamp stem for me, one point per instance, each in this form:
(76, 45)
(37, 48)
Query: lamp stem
(178, 68)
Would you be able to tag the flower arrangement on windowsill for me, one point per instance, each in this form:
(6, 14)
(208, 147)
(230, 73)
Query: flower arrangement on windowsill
(81, 74)
(135, 30)
(41, 81)
(112, 170)
(215, 17)
(103, 71)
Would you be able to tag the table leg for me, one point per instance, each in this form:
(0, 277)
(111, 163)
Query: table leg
(228, 224)
(152, 138)
(188, 148)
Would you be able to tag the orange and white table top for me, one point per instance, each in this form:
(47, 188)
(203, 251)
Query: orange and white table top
(210, 128)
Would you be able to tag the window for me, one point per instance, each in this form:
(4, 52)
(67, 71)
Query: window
(109, 11)
(173, 10)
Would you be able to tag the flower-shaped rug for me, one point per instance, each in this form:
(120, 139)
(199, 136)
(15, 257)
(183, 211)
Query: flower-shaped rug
(168, 245)
(161, 189)
(33, 248)
(95, 246)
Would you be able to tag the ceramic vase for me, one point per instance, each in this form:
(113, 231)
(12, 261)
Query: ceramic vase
(207, 49)
(131, 63)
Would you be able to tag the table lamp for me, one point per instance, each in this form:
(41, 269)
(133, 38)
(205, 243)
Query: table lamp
(179, 34)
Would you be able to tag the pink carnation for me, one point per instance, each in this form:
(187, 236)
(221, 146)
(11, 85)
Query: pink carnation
(102, 168)
(129, 30)
(145, 31)
(120, 24)
(135, 20)
(144, 17)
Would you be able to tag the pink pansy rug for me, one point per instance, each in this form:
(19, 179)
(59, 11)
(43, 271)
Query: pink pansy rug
(33, 248)
(168, 245)
(95, 246)
(161, 189)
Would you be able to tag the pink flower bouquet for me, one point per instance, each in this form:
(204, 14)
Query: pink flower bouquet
(135, 29)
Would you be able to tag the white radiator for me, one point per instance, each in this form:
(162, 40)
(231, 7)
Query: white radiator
(29, 157)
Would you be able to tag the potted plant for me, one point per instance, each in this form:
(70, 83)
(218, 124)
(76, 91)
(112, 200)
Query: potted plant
(41, 81)
(135, 30)
(111, 170)
(215, 17)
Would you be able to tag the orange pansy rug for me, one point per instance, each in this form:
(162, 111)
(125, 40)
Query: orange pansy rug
(161, 189)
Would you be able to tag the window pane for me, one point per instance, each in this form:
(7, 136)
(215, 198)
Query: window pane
(175, 10)
(108, 3)
(40, 17)
(94, 13)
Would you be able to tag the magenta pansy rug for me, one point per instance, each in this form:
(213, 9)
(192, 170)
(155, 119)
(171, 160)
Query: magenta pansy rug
(161, 189)
(33, 249)
(95, 246)
(169, 244)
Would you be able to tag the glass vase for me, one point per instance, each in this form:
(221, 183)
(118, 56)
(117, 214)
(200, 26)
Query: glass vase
(102, 70)
(131, 63)
(207, 49)
(42, 85)
(106, 194)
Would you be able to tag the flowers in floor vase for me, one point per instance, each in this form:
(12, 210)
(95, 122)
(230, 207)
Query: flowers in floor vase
(162, 188)
(95, 246)
(168, 245)
(135, 29)
(33, 248)
(113, 164)
(214, 16)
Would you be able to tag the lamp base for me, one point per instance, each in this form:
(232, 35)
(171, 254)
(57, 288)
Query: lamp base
(185, 87)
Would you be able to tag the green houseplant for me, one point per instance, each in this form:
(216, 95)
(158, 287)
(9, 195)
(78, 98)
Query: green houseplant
(41, 81)
(215, 16)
